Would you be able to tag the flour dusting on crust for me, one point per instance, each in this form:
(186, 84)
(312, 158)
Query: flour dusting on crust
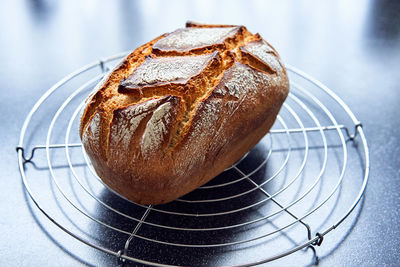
(264, 52)
(125, 123)
(199, 136)
(91, 135)
(177, 69)
(156, 129)
(191, 38)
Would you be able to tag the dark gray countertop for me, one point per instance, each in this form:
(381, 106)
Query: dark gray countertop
(351, 46)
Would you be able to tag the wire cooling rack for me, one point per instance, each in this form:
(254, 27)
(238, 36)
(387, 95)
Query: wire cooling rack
(286, 194)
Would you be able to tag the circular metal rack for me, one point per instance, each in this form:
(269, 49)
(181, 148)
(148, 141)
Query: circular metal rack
(288, 192)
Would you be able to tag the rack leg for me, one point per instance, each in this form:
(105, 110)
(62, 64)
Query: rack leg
(354, 135)
(351, 136)
(134, 232)
(103, 66)
(28, 159)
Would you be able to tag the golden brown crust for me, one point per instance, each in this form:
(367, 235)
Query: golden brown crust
(180, 109)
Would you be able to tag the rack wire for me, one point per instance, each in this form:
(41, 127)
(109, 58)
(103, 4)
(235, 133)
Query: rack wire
(291, 182)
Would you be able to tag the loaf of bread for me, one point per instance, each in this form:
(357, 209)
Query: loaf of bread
(180, 109)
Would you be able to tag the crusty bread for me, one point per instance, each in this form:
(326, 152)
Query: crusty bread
(180, 109)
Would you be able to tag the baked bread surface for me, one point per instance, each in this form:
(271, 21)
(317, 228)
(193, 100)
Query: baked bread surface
(180, 109)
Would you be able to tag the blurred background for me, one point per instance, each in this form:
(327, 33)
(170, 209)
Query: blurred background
(351, 46)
